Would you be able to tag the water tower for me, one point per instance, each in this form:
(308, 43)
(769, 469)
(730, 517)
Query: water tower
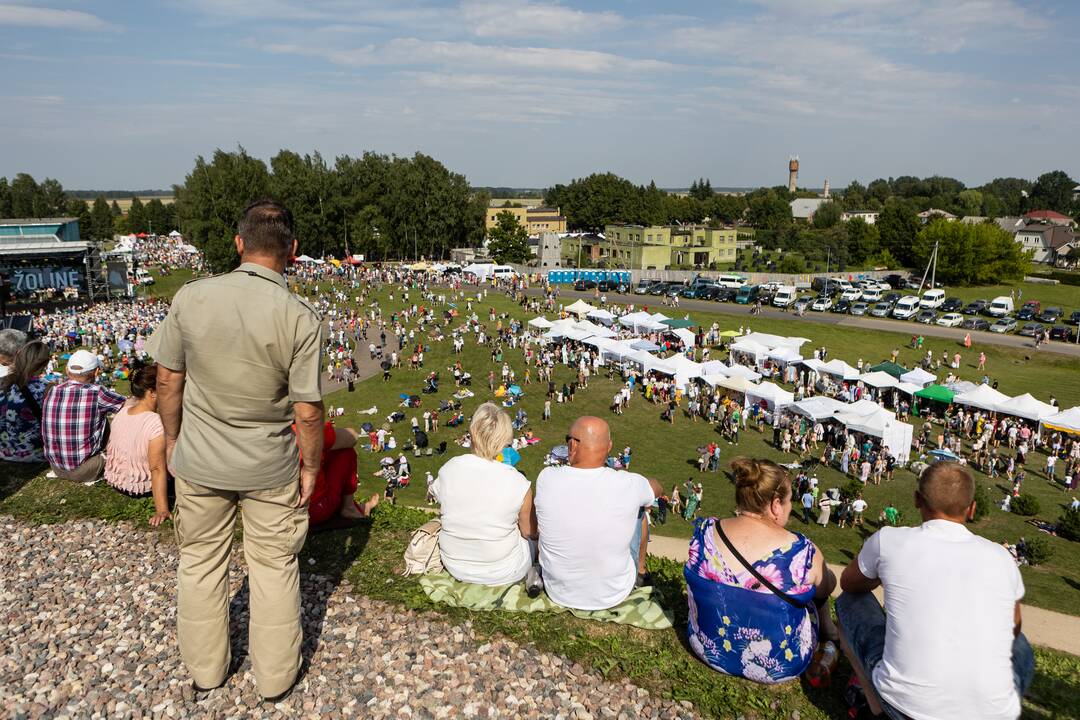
(793, 173)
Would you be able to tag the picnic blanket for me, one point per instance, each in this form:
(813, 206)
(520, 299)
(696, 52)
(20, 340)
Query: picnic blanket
(639, 609)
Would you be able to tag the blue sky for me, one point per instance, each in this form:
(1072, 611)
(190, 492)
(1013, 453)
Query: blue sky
(530, 93)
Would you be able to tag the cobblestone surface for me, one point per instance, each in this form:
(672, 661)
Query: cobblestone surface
(87, 630)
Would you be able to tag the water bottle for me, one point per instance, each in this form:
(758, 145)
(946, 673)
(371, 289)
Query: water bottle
(819, 674)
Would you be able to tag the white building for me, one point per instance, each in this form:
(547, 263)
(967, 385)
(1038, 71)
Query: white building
(804, 208)
(867, 216)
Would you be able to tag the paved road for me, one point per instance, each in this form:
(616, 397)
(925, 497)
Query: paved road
(1042, 627)
(902, 327)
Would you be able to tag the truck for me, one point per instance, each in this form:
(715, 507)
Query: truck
(785, 296)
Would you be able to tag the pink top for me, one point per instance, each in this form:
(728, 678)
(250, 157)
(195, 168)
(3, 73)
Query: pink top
(127, 461)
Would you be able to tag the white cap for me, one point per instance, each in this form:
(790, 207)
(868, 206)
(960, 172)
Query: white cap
(82, 361)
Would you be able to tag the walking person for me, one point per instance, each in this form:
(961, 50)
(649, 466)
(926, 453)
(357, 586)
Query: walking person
(240, 354)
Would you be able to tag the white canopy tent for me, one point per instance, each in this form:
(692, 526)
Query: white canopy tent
(773, 395)
(305, 259)
(175, 234)
(775, 341)
(685, 369)
(635, 320)
(743, 372)
(714, 367)
(959, 387)
(919, 377)
(736, 384)
(841, 369)
(601, 315)
(817, 407)
(749, 347)
(881, 423)
(983, 397)
(642, 344)
(1067, 421)
(814, 364)
(685, 335)
(1028, 407)
(615, 350)
(785, 354)
(599, 342)
(540, 323)
(908, 388)
(879, 380)
(593, 328)
(580, 308)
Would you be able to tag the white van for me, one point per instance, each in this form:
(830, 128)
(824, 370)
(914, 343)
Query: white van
(503, 272)
(143, 277)
(786, 295)
(906, 307)
(731, 281)
(1000, 307)
(871, 294)
(932, 299)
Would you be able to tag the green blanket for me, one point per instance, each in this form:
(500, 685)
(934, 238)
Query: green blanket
(638, 609)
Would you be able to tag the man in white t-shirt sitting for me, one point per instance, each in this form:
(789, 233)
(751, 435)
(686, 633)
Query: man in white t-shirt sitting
(591, 518)
(948, 644)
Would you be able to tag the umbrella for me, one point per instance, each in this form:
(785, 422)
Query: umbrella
(729, 333)
(940, 393)
(514, 389)
(678, 323)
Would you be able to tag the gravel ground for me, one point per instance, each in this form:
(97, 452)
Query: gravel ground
(87, 630)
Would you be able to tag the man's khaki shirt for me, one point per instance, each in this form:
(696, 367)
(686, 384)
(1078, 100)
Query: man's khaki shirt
(250, 349)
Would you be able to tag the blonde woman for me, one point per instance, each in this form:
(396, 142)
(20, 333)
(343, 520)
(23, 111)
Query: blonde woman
(488, 520)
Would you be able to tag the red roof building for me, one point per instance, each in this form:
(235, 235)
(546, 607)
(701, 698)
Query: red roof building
(1049, 216)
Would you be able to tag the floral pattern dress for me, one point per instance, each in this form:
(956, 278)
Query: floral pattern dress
(20, 428)
(738, 626)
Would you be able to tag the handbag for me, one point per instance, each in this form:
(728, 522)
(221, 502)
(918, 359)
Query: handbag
(422, 555)
(760, 578)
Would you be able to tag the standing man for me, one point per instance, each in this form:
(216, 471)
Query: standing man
(240, 353)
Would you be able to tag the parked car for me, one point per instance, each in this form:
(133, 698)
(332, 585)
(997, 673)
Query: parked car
(659, 288)
(674, 289)
(821, 304)
(952, 319)
(859, 308)
(1032, 329)
(975, 324)
(871, 295)
(802, 303)
(975, 307)
(881, 309)
(1000, 306)
(1026, 313)
(842, 306)
(932, 299)
(926, 317)
(611, 286)
(1004, 325)
(906, 307)
(1062, 332)
(952, 305)
(747, 294)
(1074, 319)
(890, 298)
(709, 292)
(643, 287)
(851, 294)
(696, 290)
(1034, 305)
(585, 285)
(1051, 315)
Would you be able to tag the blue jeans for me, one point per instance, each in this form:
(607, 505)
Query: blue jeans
(635, 541)
(862, 622)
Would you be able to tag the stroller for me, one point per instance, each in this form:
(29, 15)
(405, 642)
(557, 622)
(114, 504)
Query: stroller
(431, 386)
(520, 420)
(465, 380)
(446, 405)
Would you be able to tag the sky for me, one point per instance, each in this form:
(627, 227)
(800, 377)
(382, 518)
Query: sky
(528, 93)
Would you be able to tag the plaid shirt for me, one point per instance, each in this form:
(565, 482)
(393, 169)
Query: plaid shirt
(73, 422)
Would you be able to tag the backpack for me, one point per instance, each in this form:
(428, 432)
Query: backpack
(422, 554)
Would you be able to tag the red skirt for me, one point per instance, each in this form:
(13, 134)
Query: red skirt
(335, 485)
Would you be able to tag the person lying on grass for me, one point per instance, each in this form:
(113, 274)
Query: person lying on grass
(757, 593)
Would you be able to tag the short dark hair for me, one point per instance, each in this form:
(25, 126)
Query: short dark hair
(947, 488)
(266, 226)
(143, 379)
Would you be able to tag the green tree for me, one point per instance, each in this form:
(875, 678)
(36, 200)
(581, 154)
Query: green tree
(863, 240)
(76, 208)
(981, 254)
(115, 209)
(508, 241)
(970, 202)
(5, 198)
(136, 216)
(101, 220)
(768, 210)
(1052, 191)
(159, 217)
(898, 225)
(701, 189)
(23, 191)
(827, 215)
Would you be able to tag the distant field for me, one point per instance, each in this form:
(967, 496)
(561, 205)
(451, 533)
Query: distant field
(125, 203)
(523, 202)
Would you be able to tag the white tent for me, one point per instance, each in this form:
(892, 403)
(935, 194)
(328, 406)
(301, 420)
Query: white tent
(1067, 421)
(959, 387)
(659, 317)
(713, 379)
(814, 364)
(635, 320)
(773, 395)
(817, 407)
(175, 234)
(305, 259)
(736, 384)
(600, 343)
(919, 377)
(685, 369)
(909, 388)
(601, 315)
(983, 397)
(593, 328)
(642, 344)
(580, 308)
(189, 249)
(1027, 406)
(871, 423)
(685, 335)
(879, 380)
(540, 323)
(785, 354)
(714, 367)
(743, 372)
(838, 367)
(616, 350)
(749, 347)
(774, 341)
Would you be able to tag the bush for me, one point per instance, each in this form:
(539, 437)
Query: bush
(851, 489)
(1025, 504)
(1037, 550)
(983, 503)
(1069, 525)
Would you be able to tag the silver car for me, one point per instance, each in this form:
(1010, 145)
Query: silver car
(1004, 325)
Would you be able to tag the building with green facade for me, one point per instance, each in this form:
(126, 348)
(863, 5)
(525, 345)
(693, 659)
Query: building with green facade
(656, 247)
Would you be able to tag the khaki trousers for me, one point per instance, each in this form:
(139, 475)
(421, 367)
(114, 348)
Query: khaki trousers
(89, 471)
(274, 532)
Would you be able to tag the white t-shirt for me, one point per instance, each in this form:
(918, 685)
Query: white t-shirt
(859, 505)
(950, 599)
(587, 517)
(480, 541)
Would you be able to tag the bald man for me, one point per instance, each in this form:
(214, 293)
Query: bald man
(591, 518)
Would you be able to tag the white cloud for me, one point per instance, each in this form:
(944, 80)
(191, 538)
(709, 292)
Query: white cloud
(519, 18)
(27, 16)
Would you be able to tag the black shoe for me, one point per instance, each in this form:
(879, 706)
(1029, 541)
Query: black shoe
(288, 691)
(534, 582)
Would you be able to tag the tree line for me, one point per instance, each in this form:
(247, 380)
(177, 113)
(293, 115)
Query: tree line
(381, 206)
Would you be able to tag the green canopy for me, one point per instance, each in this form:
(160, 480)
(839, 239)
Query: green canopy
(678, 323)
(936, 392)
(891, 368)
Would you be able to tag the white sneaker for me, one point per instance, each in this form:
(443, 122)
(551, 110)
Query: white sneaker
(51, 474)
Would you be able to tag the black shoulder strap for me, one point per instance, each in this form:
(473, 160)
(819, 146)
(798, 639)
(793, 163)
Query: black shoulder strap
(28, 396)
(760, 578)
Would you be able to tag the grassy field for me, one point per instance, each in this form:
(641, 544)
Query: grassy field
(125, 203)
(1066, 297)
(368, 557)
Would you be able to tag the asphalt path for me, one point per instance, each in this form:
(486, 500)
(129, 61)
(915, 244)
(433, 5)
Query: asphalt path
(906, 328)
